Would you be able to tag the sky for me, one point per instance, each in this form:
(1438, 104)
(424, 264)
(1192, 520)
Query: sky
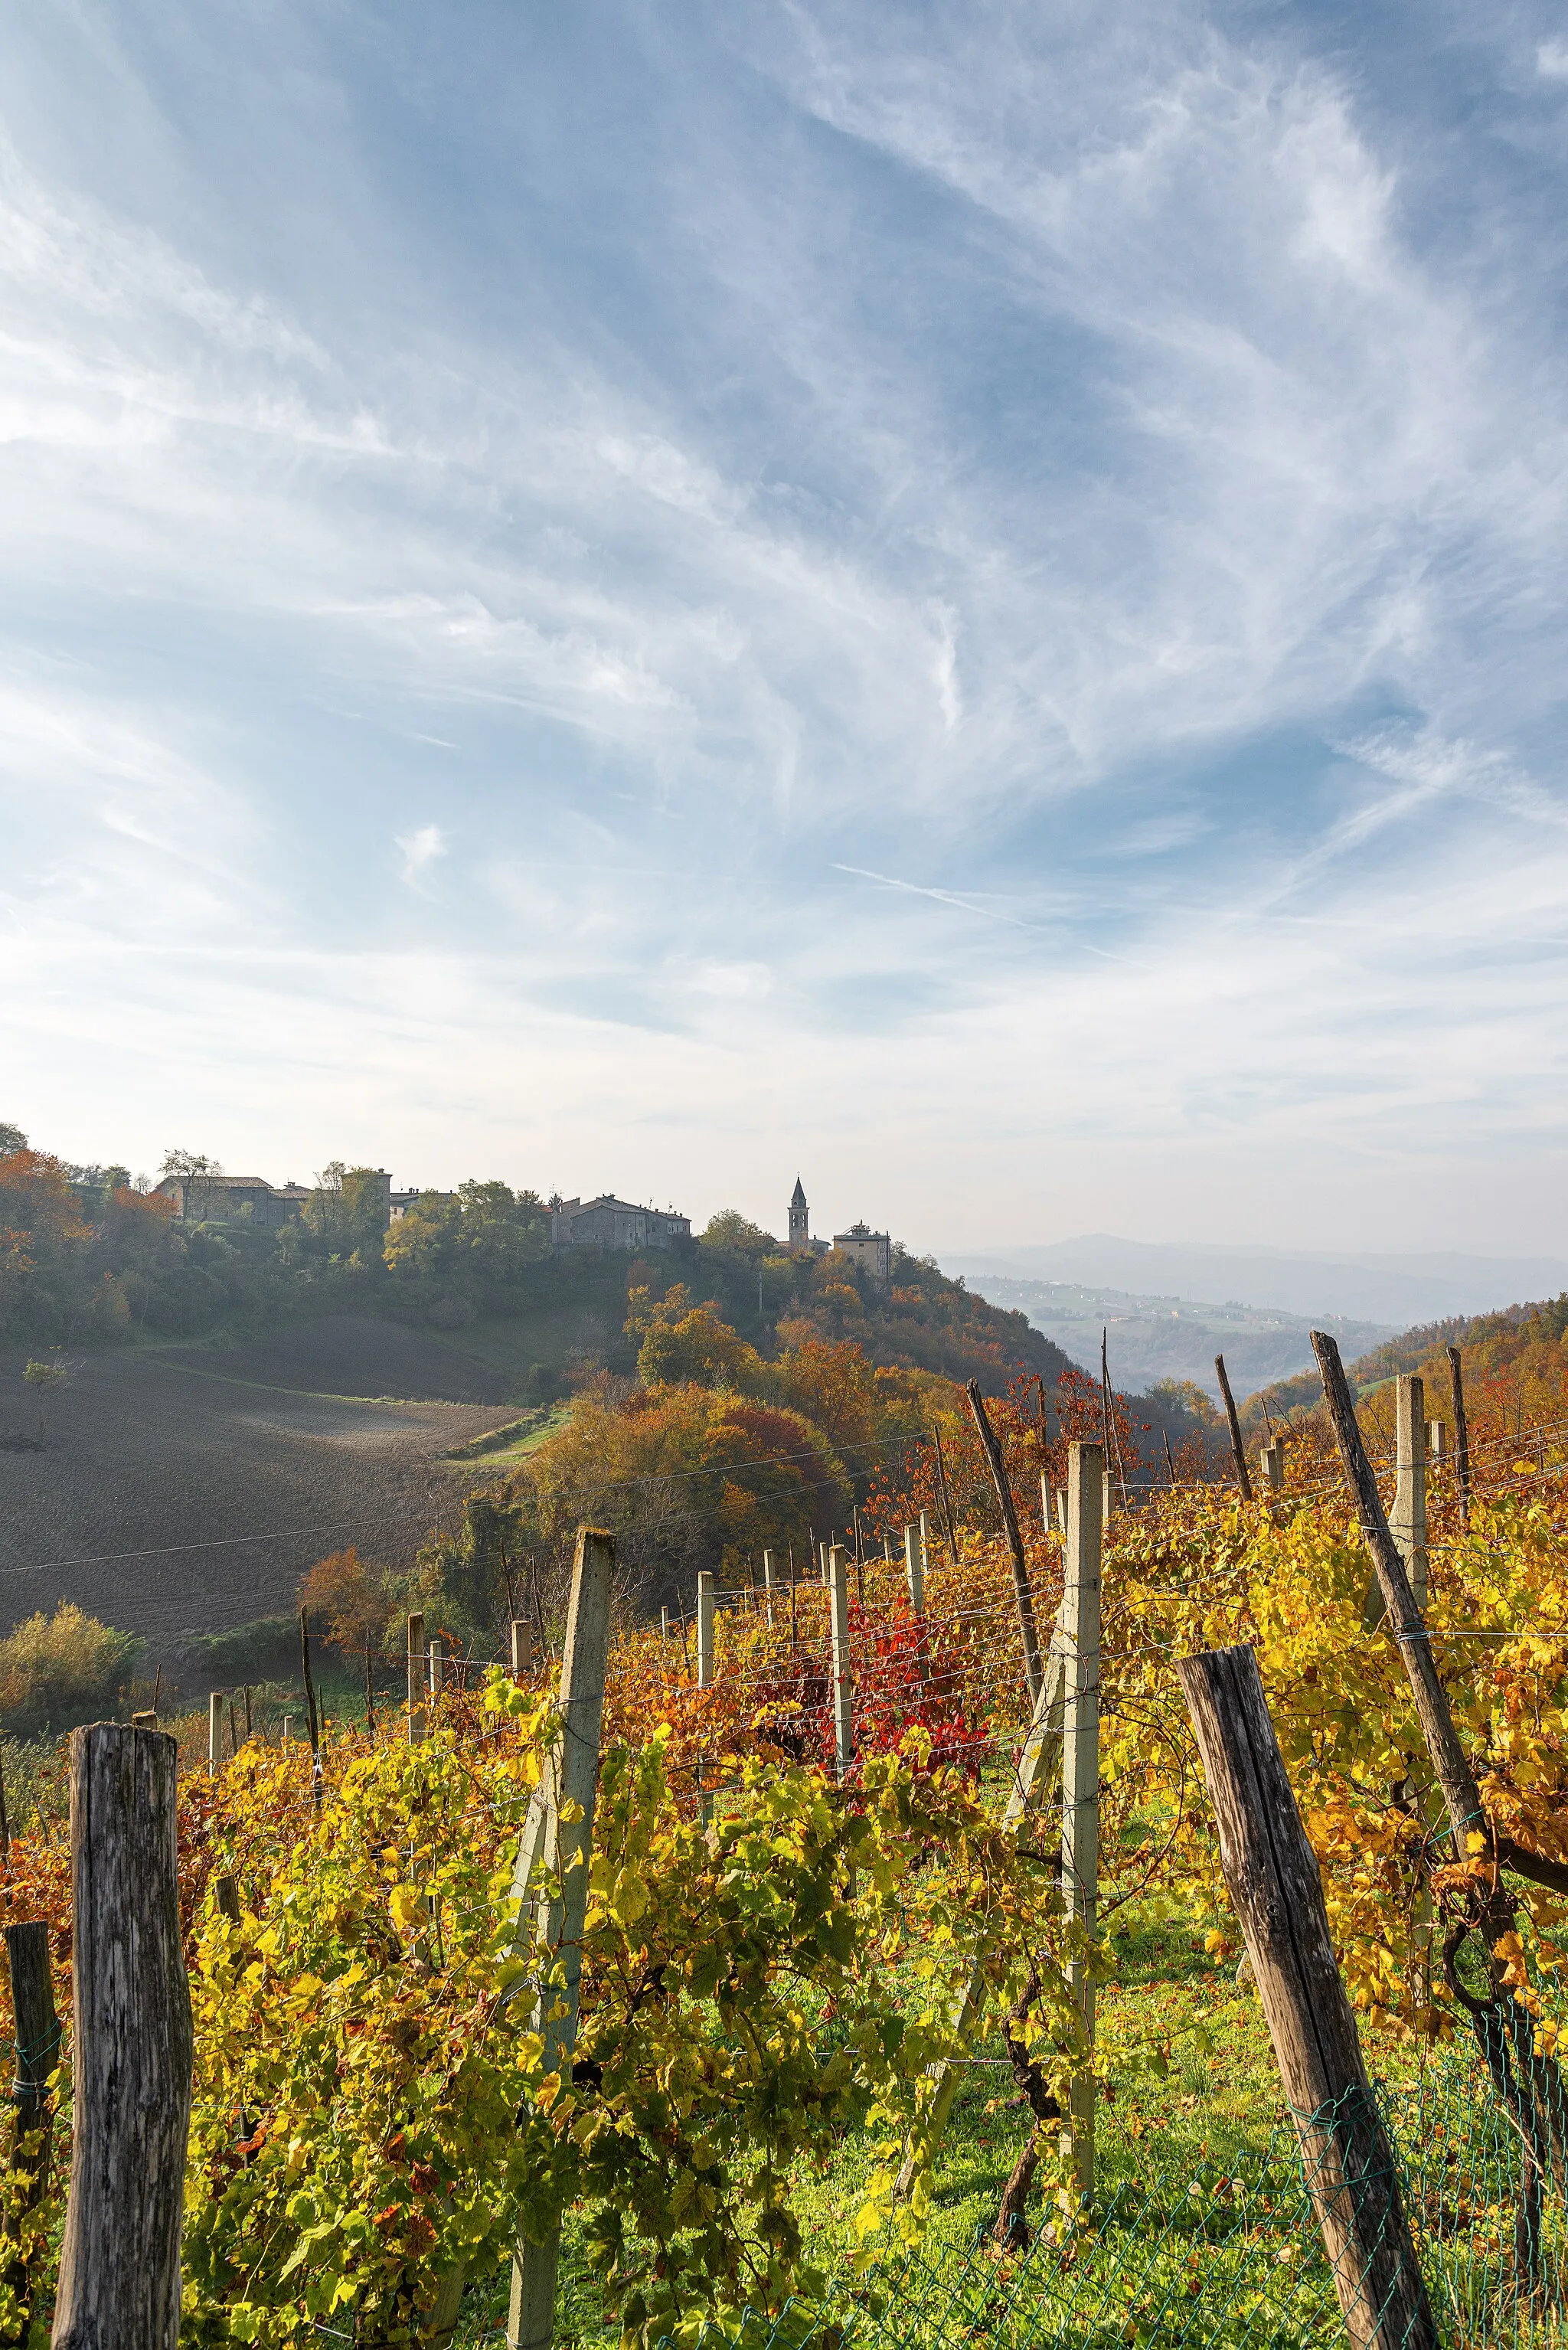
(967, 600)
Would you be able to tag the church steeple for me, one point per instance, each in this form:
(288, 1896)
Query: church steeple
(799, 1219)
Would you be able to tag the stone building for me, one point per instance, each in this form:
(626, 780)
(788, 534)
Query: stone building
(872, 1252)
(610, 1223)
(223, 1199)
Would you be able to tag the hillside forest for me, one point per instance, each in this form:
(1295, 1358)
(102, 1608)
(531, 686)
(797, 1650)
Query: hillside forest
(88, 1258)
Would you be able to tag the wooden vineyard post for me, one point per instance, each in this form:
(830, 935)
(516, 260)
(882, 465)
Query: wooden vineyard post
(1080, 1636)
(1033, 1674)
(843, 1681)
(915, 1572)
(119, 2260)
(1462, 1796)
(705, 1630)
(37, 2032)
(554, 1927)
(523, 1645)
(1461, 1433)
(1274, 1883)
(945, 1496)
(214, 1731)
(1238, 1450)
(416, 1679)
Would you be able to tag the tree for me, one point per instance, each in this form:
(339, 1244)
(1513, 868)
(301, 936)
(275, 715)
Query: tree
(195, 1170)
(730, 1230)
(697, 1345)
(11, 1138)
(45, 1379)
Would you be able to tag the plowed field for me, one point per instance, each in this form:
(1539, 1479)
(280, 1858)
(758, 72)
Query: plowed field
(187, 1491)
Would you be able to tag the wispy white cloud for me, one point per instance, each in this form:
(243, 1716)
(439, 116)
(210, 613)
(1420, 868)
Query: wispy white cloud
(419, 849)
(1059, 459)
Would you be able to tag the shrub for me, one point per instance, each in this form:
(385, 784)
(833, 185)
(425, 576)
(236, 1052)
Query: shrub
(60, 1669)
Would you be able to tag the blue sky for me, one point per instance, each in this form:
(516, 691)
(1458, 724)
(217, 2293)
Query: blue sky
(968, 600)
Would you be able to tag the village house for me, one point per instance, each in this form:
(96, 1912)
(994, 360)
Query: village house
(610, 1223)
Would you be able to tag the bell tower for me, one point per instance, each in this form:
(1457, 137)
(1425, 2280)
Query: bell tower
(799, 1219)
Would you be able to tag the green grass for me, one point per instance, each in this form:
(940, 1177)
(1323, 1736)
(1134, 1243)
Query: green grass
(1195, 2094)
(489, 1456)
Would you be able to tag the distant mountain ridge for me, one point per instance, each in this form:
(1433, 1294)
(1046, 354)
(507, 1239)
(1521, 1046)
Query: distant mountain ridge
(1395, 1290)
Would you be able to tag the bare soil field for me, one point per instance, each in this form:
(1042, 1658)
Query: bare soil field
(355, 1355)
(179, 1491)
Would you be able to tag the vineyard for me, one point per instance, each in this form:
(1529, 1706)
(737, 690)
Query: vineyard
(852, 1953)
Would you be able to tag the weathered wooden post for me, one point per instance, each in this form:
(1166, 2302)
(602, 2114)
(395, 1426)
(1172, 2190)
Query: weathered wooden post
(1080, 1638)
(119, 2260)
(1033, 1673)
(915, 1572)
(1277, 1890)
(1462, 1431)
(1237, 1450)
(705, 1630)
(37, 2030)
(570, 1783)
(843, 1680)
(416, 1677)
(522, 1645)
(36, 2025)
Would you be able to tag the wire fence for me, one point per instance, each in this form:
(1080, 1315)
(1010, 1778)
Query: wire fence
(1223, 2253)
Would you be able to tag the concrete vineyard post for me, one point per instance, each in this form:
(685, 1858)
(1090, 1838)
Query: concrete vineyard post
(214, 1731)
(915, 1572)
(1271, 1466)
(705, 1630)
(1274, 1883)
(416, 1677)
(768, 1582)
(925, 1543)
(1035, 1780)
(1044, 1503)
(1408, 1520)
(131, 2046)
(522, 1645)
(563, 1846)
(1408, 1517)
(1081, 1764)
(1107, 1499)
(1437, 1440)
(843, 1681)
(664, 1623)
